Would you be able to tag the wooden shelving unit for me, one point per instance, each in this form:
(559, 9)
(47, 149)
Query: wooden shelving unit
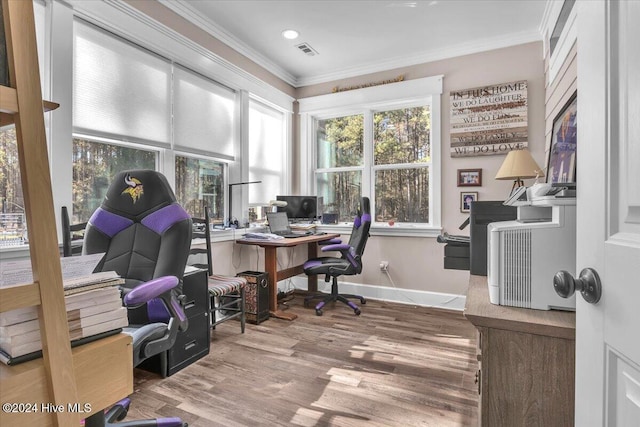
(99, 373)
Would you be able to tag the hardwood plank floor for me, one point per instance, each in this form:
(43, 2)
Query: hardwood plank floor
(395, 365)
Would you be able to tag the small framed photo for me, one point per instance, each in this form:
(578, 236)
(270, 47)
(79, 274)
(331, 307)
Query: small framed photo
(469, 177)
(466, 197)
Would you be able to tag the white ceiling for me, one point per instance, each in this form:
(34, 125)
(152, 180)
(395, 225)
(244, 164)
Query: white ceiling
(363, 36)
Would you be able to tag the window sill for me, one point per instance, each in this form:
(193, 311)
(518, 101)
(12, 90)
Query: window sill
(386, 230)
(14, 252)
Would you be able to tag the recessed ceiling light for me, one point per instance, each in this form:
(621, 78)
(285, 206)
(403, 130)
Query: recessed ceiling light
(290, 34)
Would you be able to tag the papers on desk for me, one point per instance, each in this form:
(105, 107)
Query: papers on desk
(262, 236)
(303, 227)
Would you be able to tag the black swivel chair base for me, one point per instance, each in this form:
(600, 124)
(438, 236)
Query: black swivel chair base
(335, 296)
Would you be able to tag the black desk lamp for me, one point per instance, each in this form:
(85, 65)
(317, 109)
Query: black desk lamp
(231, 196)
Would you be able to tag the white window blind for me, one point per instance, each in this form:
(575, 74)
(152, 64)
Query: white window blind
(120, 90)
(267, 152)
(203, 115)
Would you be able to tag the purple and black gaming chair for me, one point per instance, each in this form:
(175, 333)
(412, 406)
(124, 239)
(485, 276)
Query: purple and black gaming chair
(350, 262)
(146, 237)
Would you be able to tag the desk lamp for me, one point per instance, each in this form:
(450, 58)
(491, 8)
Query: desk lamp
(519, 165)
(275, 204)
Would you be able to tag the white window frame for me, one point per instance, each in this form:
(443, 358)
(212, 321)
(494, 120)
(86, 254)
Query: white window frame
(568, 37)
(419, 92)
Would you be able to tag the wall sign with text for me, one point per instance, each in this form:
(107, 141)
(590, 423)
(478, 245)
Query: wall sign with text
(489, 120)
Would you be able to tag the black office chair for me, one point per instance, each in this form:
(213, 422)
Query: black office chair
(350, 262)
(146, 236)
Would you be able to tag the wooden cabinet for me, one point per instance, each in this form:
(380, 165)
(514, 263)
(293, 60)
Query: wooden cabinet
(526, 362)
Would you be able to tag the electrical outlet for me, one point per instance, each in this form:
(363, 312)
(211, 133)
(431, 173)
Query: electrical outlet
(384, 265)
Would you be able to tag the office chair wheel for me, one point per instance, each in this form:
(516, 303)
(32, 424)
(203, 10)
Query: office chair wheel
(318, 312)
(122, 415)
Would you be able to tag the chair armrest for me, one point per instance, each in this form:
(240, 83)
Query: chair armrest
(152, 289)
(334, 241)
(159, 288)
(336, 247)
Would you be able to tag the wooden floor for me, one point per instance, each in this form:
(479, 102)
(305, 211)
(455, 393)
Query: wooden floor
(395, 365)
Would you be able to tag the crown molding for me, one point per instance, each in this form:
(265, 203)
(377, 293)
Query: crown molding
(476, 46)
(185, 10)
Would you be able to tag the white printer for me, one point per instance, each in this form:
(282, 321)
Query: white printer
(524, 255)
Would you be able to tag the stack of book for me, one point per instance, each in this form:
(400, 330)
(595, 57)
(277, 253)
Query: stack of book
(93, 305)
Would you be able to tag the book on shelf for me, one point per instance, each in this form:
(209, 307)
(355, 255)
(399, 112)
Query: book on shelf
(14, 360)
(92, 281)
(90, 311)
(77, 301)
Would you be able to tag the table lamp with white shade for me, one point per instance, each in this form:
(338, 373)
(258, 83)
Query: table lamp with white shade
(519, 165)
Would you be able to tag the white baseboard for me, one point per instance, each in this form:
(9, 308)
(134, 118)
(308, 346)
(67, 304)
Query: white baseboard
(402, 296)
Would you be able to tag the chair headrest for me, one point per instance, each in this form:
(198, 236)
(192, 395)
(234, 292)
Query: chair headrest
(135, 193)
(364, 213)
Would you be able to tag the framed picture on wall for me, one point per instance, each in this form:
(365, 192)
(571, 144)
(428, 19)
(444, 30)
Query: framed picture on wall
(561, 166)
(469, 177)
(466, 197)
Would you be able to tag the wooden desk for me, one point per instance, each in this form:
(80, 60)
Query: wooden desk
(526, 362)
(103, 371)
(271, 265)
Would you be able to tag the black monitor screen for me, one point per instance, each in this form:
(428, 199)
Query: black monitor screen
(299, 207)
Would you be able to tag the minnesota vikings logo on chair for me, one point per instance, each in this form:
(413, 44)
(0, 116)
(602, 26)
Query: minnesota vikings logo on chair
(135, 188)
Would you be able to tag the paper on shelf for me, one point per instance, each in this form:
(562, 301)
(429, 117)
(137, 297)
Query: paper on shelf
(19, 272)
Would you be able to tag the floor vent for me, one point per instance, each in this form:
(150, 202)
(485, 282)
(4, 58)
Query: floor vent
(304, 47)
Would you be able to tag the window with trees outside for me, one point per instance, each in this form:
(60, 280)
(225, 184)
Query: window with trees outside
(94, 166)
(401, 140)
(399, 170)
(13, 225)
(200, 182)
(381, 142)
(340, 163)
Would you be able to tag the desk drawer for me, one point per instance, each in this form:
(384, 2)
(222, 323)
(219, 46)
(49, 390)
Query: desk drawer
(196, 292)
(190, 345)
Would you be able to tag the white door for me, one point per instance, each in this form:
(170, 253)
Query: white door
(608, 205)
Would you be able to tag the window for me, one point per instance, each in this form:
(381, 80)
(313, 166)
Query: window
(200, 183)
(94, 166)
(13, 222)
(267, 156)
(203, 115)
(120, 91)
(339, 147)
(386, 147)
(134, 104)
(401, 165)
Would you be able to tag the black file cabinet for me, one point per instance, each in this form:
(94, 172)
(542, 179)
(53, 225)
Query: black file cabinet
(192, 344)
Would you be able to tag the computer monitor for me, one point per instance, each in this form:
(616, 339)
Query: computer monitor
(299, 208)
